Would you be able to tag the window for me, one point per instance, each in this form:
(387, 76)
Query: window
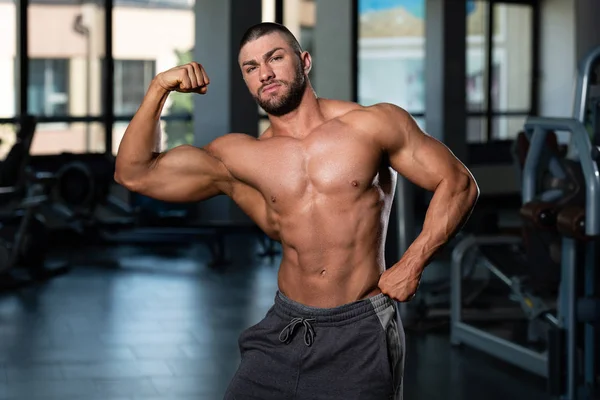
(300, 18)
(132, 78)
(500, 61)
(48, 87)
(8, 55)
(513, 53)
(136, 63)
(65, 45)
(391, 54)
(156, 4)
(75, 137)
(406, 87)
(268, 10)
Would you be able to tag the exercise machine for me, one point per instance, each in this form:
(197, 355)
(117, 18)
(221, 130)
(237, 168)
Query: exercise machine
(23, 232)
(85, 207)
(573, 356)
(587, 94)
(81, 200)
(214, 235)
(568, 357)
(558, 248)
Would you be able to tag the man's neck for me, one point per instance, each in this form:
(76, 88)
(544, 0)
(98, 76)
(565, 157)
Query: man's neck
(300, 122)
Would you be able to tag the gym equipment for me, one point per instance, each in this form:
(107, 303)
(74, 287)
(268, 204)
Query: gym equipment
(559, 246)
(81, 197)
(156, 221)
(579, 302)
(587, 91)
(595, 117)
(81, 201)
(152, 212)
(213, 234)
(23, 233)
(570, 335)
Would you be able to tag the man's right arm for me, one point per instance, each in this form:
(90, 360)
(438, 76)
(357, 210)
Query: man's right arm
(183, 174)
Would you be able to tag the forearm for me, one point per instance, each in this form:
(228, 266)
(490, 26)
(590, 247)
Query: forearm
(449, 209)
(141, 141)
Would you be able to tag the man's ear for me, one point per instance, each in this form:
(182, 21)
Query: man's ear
(306, 60)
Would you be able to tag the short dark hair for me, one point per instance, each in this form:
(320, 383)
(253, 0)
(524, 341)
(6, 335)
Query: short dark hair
(266, 28)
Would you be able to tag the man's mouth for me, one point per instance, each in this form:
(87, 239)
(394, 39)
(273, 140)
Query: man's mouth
(270, 87)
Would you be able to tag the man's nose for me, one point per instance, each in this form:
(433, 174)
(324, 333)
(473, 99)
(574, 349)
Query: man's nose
(266, 73)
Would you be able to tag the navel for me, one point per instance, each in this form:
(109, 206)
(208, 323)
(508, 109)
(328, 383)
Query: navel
(355, 183)
(273, 199)
(323, 273)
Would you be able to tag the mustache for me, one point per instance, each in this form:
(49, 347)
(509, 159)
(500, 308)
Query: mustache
(271, 83)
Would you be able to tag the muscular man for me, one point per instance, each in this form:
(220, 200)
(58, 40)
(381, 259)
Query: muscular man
(321, 181)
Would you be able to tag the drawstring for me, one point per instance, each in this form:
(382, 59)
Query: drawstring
(309, 334)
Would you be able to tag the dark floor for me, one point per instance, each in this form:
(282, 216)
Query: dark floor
(159, 324)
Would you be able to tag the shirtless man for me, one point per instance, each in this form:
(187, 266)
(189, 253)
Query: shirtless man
(321, 181)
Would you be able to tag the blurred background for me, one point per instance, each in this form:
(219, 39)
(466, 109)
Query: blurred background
(107, 294)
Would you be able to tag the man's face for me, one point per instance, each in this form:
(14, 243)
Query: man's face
(274, 73)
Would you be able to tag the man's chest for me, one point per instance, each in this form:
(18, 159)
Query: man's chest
(324, 162)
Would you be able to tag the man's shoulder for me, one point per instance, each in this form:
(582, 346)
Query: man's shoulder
(228, 142)
(383, 123)
(232, 138)
(346, 111)
(337, 108)
(381, 109)
(376, 115)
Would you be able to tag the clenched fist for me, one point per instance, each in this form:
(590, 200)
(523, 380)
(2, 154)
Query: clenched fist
(400, 283)
(187, 78)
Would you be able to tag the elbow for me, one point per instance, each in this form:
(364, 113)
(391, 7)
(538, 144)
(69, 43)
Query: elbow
(120, 176)
(126, 179)
(122, 179)
(472, 190)
(465, 188)
(134, 174)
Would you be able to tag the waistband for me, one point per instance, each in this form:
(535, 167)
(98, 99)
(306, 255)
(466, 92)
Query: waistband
(351, 312)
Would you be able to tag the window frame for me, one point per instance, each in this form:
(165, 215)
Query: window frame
(50, 73)
(108, 117)
(487, 112)
(149, 70)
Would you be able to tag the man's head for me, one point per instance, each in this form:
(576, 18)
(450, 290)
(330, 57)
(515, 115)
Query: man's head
(274, 67)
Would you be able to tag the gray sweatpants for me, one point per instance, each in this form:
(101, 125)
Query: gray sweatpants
(355, 351)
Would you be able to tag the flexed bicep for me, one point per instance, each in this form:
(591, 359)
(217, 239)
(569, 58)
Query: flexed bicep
(183, 174)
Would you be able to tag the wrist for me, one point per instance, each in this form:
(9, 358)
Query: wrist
(156, 89)
(154, 100)
(412, 262)
(156, 96)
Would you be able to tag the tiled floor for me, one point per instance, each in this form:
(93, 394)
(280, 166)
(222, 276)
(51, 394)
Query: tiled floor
(131, 324)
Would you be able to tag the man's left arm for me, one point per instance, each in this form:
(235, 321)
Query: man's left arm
(428, 163)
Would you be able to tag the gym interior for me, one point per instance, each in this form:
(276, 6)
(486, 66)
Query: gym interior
(107, 294)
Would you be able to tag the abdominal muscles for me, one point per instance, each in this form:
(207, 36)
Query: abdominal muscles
(333, 245)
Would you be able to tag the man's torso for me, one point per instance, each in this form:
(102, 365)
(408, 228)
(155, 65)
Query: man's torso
(326, 197)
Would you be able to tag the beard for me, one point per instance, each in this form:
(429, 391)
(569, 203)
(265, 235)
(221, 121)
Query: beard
(288, 101)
